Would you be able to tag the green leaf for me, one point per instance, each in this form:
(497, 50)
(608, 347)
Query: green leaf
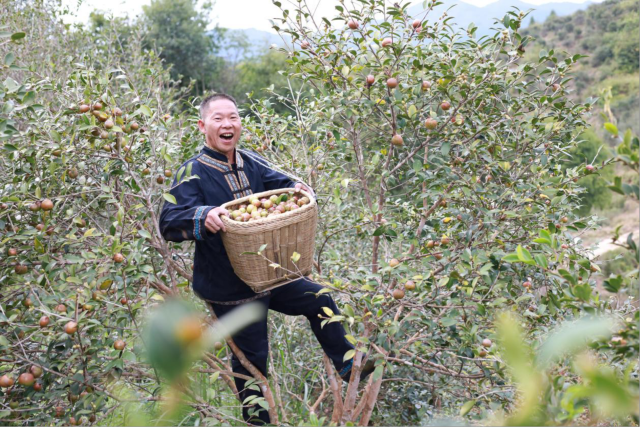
(524, 255)
(349, 355)
(9, 58)
(412, 111)
(541, 260)
(611, 128)
(327, 311)
(145, 110)
(377, 373)
(572, 337)
(170, 198)
(513, 257)
(145, 234)
(18, 36)
(262, 248)
(613, 284)
(295, 257)
(464, 409)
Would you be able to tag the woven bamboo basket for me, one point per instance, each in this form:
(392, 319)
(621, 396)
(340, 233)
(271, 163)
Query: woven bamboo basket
(285, 234)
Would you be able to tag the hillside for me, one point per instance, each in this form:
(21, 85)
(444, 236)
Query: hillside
(484, 17)
(608, 33)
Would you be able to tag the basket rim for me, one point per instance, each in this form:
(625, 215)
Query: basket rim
(228, 221)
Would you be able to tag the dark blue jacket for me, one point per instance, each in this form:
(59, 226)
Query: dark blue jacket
(218, 183)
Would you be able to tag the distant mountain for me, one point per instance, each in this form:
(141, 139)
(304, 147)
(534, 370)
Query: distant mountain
(484, 17)
(463, 13)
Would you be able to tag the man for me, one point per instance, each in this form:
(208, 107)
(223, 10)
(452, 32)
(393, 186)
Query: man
(226, 173)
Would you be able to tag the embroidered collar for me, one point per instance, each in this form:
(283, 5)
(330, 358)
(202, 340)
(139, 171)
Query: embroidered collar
(239, 184)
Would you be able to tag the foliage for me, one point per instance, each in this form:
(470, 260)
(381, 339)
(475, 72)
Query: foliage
(592, 151)
(607, 32)
(472, 209)
(179, 32)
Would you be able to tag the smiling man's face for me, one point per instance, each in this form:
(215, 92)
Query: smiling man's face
(221, 126)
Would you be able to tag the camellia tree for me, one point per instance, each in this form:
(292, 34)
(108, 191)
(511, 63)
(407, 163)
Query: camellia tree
(437, 160)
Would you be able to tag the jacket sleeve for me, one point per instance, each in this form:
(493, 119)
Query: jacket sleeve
(272, 179)
(185, 219)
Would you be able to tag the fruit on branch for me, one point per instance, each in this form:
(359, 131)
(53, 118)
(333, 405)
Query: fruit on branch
(445, 105)
(119, 345)
(370, 80)
(305, 44)
(6, 381)
(426, 85)
(61, 308)
(118, 258)
(134, 126)
(386, 42)
(26, 379)
(590, 168)
(108, 124)
(44, 321)
(46, 205)
(160, 179)
(486, 343)
(394, 263)
(410, 285)
(36, 371)
(397, 140)
(430, 123)
(97, 106)
(398, 294)
(71, 327)
(21, 269)
(12, 252)
(353, 24)
(84, 108)
(72, 173)
(392, 83)
(415, 24)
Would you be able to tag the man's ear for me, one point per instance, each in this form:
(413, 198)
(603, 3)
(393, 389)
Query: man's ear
(201, 125)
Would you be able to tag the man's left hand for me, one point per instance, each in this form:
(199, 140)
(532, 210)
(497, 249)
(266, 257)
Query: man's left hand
(300, 186)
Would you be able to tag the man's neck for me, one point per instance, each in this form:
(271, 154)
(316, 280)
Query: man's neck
(231, 158)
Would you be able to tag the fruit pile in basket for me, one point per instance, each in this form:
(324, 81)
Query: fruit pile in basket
(266, 208)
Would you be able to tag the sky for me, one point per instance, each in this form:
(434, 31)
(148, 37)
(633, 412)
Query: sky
(239, 14)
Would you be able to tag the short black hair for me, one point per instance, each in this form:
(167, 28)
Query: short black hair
(209, 99)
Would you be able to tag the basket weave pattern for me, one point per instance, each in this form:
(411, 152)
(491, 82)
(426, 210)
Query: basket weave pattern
(284, 234)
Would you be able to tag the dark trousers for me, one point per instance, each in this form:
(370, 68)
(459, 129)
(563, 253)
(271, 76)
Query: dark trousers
(295, 299)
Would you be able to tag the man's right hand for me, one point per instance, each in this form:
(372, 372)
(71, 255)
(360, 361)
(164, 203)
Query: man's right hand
(213, 221)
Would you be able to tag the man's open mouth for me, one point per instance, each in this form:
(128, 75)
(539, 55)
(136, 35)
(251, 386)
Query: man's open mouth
(227, 136)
